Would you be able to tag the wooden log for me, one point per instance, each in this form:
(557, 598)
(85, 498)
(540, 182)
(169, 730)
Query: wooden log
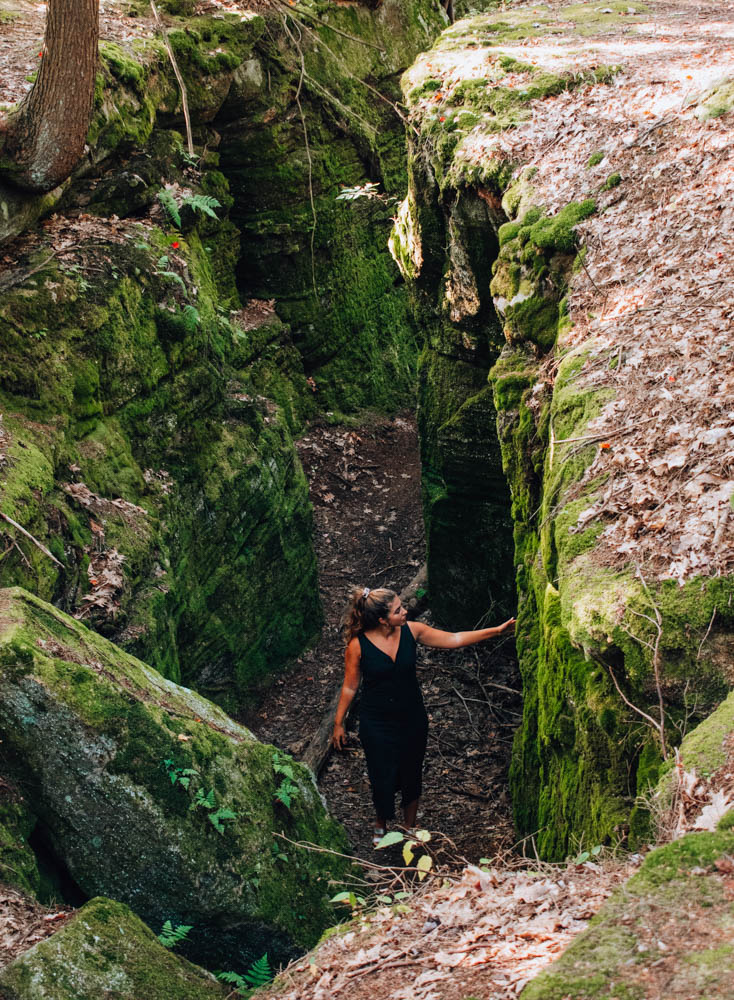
(414, 598)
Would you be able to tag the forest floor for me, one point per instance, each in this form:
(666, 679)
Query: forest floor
(368, 531)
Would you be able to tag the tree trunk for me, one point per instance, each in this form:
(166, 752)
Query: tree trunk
(43, 140)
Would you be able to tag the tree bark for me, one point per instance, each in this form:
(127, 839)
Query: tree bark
(43, 139)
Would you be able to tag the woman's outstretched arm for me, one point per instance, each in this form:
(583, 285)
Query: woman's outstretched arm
(352, 675)
(435, 637)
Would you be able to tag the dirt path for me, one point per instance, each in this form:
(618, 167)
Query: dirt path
(365, 487)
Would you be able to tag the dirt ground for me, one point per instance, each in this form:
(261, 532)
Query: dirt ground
(365, 488)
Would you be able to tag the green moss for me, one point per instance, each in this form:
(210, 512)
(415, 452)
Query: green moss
(612, 181)
(18, 865)
(105, 946)
(122, 66)
(595, 158)
(67, 694)
(604, 962)
(717, 101)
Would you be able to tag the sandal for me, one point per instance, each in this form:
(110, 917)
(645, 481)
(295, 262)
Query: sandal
(378, 832)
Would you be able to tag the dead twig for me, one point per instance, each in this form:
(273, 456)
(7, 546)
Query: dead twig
(179, 78)
(700, 647)
(30, 537)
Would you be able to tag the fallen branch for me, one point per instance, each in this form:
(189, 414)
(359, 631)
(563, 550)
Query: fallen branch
(30, 537)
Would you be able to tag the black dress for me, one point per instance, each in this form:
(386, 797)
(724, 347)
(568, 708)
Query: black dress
(393, 725)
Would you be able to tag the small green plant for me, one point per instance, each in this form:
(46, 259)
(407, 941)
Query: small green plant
(611, 182)
(596, 157)
(204, 203)
(170, 936)
(288, 789)
(585, 856)
(217, 816)
(170, 207)
(259, 974)
(191, 318)
(179, 775)
(425, 861)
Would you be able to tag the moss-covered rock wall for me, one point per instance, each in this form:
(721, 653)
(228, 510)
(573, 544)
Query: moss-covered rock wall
(614, 665)
(151, 389)
(313, 145)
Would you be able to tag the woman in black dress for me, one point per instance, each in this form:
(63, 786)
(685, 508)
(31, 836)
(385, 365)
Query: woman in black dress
(393, 725)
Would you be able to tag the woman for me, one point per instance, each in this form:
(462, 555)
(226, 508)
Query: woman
(381, 648)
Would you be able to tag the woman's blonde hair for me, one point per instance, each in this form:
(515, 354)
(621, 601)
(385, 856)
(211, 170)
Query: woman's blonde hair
(365, 609)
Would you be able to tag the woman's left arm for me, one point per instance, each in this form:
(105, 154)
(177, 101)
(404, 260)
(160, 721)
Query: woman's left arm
(428, 636)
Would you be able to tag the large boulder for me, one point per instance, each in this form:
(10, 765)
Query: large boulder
(146, 792)
(105, 951)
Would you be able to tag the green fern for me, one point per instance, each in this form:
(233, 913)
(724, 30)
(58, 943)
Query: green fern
(259, 974)
(218, 819)
(172, 276)
(191, 318)
(202, 801)
(171, 208)
(203, 203)
(170, 936)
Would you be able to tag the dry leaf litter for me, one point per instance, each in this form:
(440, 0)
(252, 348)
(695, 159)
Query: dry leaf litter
(652, 304)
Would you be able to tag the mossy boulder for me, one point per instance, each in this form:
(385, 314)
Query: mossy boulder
(666, 932)
(102, 741)
(105, 951)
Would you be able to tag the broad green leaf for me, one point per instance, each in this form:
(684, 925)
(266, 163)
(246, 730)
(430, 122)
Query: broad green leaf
(423, 835)
(393, 837)
(341, 897)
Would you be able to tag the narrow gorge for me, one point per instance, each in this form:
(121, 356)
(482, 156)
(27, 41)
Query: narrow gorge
(339, 288)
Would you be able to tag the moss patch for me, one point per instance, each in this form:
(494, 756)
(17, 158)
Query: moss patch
(666, 930)
(105, 950)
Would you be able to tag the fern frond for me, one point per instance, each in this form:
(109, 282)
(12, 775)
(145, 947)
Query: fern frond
(172, 276)
(259, 972)
(203, 203)
(171, 208)
(191, 318)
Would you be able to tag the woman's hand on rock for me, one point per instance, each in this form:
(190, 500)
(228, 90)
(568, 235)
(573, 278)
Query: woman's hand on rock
(506, 626)
(339, 739)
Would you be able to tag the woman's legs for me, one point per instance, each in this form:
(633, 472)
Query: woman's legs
(410, 811)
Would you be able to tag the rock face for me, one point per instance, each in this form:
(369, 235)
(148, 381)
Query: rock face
(147, 417)
(104, 951)
(147, 793)
(613, 639)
